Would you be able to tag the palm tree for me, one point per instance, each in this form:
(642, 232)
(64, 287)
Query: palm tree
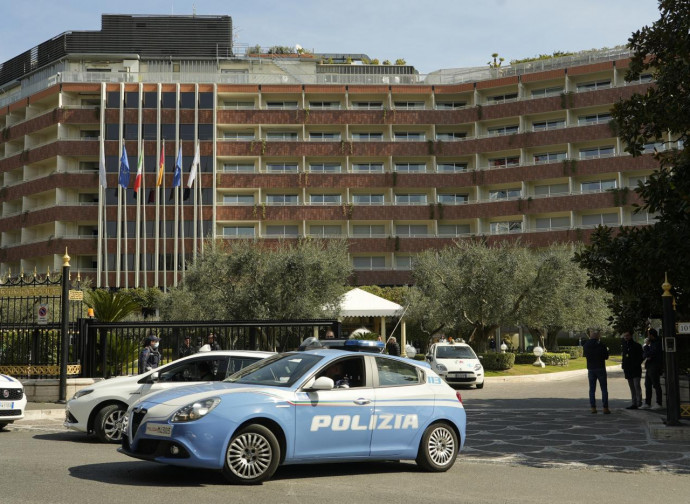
(111, 306)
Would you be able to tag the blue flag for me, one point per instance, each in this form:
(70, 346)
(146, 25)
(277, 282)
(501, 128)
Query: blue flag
(124, 169)
(177, 176)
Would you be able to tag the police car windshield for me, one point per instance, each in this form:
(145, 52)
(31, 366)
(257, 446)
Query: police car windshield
(454, 352)
(281, 370)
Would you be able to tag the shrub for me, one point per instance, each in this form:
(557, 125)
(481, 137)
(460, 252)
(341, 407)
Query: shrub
(525, 358)
(555, 359)
(498, 361)
(574, 351)
(613, 343)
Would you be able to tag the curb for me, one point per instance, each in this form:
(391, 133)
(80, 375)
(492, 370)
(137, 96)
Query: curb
(42, 414)
(563, 375)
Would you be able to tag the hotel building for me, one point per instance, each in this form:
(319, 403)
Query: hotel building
(291, 146)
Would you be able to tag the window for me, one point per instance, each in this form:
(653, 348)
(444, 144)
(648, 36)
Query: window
(186, 132)
(504, 162)
(150, 100)
(367, 168)
(450, 105)
(506, 227)
(369, 262)
(187, 100)
(132, 99)
(549, 157)
(635, 181)
(324, 137)
(281, 105)
(549, 91)
(551, 190)
(410, 167)
(504, 98)
(238, 105)
(238, 167)
(592, 86)
(325, 167)
(403, 262)
(240, 136)
(324, 105)
(205, 131)
(548, 125)
(411, 230)
(598, 185)
(289, 230)
(452, 136)
(325, 199)
(452, 199)
(281, 167)
(367, 105)
(637, 218)
(90, 134)
(205, 101)
(367, 199)
(594, 220)
(238, 199)
(410, 199)
(325, 230)
(650, 148)
(392, 373)
(600, 118)
(194, 370)
(238, 231)
(502, 130)
(168, 100)
(644, 78)
(368, 230)
(547, 223)
(408, 136)
(453, 230)
(451, 167)
(597, 152)
(409, 105)
(367, 137)
(285, 136)
(504, 194)
(346, 373)
(282, 199)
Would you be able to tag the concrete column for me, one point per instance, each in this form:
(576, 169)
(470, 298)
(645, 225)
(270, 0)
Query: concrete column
(403, 338)
(383, 329)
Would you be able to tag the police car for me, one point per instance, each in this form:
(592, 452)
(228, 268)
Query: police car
(456, 363)
(312, 406)
(99, 408)
(12, 400)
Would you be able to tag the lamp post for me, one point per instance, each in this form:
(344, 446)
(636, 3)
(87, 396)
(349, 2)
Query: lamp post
(64, 323)
(672, 389)
(538, 352)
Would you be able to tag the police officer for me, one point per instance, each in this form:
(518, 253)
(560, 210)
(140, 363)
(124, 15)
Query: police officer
(149, 357)
(186, 349)
(212, 342)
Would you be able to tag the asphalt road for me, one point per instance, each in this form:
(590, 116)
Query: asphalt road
(527, 442)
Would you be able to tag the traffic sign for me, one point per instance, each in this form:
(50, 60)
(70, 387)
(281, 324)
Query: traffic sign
(682, 327)
(42, 314)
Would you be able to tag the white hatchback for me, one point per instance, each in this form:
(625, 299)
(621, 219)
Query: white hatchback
(12, 400)
(456, 363)
(100, 408)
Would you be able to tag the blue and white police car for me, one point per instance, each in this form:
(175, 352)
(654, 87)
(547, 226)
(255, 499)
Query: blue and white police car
(302, 407)
(12, 400)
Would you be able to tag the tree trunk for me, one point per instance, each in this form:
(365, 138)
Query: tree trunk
(480, 338)
(552, 338)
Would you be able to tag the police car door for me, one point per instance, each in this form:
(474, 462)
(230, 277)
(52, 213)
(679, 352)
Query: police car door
(403, 406)
(336, 423)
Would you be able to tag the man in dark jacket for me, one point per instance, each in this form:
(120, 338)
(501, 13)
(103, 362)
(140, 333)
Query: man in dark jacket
(186, 349)
(653, 364)
(632, 367)
(596, 354)
(392, 346)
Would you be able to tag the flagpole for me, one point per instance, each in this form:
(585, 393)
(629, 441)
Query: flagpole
(177, 208)
(126, 268)
(165, 235)
(161, 163)
(180, 190)
(118, 248)
(201, 214)
(102, 181)
(143, 214)
(137, 228)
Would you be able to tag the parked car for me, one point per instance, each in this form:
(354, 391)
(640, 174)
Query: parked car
(312, 406)
(456, 363)
(99, 408)
(12, 400)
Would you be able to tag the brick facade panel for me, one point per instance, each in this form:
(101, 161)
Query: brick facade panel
(586, 69)
(505, 81)
(324, 89)
(453, 88)
(539, 76)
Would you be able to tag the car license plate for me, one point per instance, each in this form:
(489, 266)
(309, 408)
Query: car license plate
(162, 430)
(459, 375)
(6, 405)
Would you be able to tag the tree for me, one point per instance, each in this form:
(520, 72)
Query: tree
(111, 306)
(244, 281)
(631, 264)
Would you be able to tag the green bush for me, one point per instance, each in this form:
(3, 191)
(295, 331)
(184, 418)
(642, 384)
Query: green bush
(556, 359)
(498, 361)
(525, 358)
(613, 343)
(574, 351)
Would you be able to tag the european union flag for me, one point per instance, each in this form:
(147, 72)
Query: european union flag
(124, 169)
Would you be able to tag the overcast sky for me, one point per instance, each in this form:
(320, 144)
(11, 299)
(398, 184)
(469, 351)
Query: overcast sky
(429, 35)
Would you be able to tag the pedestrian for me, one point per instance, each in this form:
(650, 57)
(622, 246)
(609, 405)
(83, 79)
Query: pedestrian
(329, 334)
(392, 346)
(596, 354)
(632, 367)
(653, 365)
(149, 356)
(186, 349)
(212, 343)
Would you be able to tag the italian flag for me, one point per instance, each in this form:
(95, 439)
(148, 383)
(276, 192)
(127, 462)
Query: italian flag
(140, 167)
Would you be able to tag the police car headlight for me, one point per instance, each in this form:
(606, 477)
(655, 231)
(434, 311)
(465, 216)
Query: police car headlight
(441, 368)
(477, 367)
(82, 393)
(196, 410)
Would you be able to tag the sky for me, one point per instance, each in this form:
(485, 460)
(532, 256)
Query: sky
(430, 35)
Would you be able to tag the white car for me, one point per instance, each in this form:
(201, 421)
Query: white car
(100, 408)
(12, 400)
(456, 363)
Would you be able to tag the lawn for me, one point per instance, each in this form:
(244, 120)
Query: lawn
(529, 369)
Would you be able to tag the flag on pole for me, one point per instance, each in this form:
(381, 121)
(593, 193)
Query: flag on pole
(101, 167)
(161, 168)
(140, 166)
(192, 173)
(177, 174)
(124, 169)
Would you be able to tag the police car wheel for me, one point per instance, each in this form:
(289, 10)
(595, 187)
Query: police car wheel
(3, 425)
(480, 385)
(438, 448)
(252, 455)
(108, 423)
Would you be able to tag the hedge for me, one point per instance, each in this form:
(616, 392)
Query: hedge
(525, 358)
(555, 359)
(574, 351)
(498, 361)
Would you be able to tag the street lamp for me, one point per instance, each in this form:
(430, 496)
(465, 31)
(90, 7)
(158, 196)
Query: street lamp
(538, 352)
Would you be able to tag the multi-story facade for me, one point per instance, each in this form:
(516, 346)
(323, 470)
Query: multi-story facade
(296, 146)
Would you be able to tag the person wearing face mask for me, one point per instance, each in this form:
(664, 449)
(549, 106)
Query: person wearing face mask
(149, 357)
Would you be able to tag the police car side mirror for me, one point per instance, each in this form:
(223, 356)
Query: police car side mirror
(154, 376)
(321, 383)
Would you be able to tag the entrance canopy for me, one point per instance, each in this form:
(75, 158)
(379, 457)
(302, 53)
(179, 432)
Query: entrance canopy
(360, 303)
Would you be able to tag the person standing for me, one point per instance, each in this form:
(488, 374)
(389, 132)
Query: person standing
(632, 367)
(212, 343)
(149, 357)
(186, 349)
(392, 346)
(653, 364)
(596, 354)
